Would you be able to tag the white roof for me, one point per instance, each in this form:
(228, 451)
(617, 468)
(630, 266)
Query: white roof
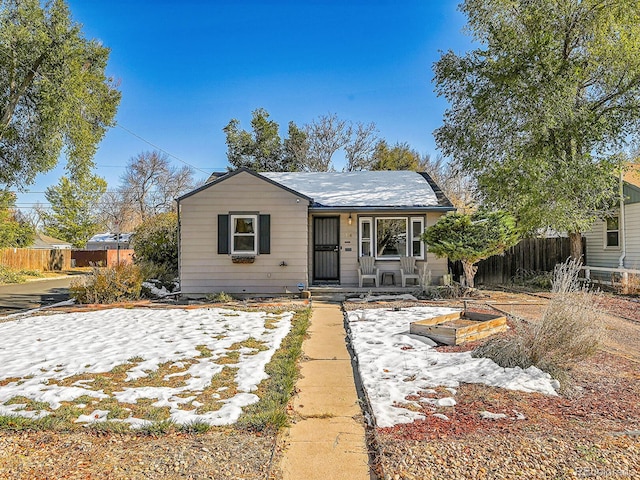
(360, 189)
(110, 237)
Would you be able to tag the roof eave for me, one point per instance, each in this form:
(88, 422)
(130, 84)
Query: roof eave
(236, 172)
(387, 208)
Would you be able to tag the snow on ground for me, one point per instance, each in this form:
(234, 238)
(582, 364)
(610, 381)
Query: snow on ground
(394, 364)
(38, 351)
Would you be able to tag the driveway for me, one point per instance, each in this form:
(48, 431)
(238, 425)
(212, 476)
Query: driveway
(34, 294)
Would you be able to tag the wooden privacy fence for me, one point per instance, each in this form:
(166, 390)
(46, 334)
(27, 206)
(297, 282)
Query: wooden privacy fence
(35, 259)
(530, 255)
(101, 258)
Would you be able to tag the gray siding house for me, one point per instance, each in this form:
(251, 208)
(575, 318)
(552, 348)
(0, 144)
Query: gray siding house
(615, 242)
(278, 232)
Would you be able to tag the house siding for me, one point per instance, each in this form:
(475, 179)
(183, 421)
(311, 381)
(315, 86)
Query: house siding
(204, 271)
(599, 256)
(349, 240)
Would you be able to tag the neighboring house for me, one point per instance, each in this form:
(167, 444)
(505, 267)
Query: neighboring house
(44, 242)
(109, 241)
(244, 232)
(615, 242)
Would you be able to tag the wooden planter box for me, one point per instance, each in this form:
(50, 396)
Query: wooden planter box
(460, 327)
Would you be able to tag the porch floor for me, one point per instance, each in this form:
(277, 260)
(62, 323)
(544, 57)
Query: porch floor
(320, 290)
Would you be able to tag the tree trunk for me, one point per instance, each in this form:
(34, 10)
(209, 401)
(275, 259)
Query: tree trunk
(469, 273)
(575, 244)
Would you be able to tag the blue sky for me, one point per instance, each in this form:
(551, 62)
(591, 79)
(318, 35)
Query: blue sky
(187, 67)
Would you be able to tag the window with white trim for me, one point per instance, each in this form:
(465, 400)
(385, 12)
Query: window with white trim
(389, 238)
(612, 233)
(366, 236)
(244, 238)
(417, 245)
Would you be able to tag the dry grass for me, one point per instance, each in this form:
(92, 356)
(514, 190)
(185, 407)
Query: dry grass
(630, 285)
(571, 330)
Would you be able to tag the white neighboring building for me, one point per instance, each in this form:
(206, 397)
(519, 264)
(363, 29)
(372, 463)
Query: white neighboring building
(110, 241)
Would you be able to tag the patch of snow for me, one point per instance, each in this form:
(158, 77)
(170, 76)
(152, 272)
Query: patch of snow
(360, 189)
(385, 363)
(43, 350)
(155, 291)
(93, 417)
(493, 416)
(441, 416)
(446, 402)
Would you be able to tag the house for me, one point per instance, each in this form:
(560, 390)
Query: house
(110, 241)
(44, 242)
(615, 242)
(272, 233)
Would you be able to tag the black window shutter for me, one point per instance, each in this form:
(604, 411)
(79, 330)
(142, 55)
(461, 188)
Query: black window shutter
(223, 234)
(265, 234)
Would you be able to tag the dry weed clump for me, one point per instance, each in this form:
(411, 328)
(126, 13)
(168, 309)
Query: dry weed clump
(630, 285)
(570, 330)
(109, 285)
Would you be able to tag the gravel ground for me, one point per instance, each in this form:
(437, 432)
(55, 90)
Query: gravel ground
(227, 454)
(507, 456)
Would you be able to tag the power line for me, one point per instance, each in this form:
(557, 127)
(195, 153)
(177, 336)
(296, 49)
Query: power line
(161, 149)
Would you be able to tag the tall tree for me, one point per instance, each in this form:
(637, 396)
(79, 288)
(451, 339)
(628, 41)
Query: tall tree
(537, 110)
(74, 200)
(15, 231)
(296, 149)
(398, 157)
(361, 146)
(327, 134)
(259, 150)
(150, 184)
(459, 187)
(54, 93)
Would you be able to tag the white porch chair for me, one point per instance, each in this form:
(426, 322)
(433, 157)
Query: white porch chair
(408, 270)
(367, 270)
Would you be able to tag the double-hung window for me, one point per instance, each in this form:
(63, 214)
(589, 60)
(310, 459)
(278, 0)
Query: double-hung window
(244, 234)
(389, 238)
(612, 233)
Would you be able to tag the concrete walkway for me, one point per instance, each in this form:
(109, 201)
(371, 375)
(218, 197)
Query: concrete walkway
(327, 440)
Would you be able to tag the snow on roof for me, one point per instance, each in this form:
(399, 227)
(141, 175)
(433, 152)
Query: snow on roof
(360, 189)
(110, 237)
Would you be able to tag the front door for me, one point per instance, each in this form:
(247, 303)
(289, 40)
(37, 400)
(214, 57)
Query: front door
(326, 249)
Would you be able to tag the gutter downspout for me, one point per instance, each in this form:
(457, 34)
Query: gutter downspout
(623, 243)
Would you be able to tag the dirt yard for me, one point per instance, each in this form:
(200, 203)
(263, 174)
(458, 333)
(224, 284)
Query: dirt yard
(593, 431)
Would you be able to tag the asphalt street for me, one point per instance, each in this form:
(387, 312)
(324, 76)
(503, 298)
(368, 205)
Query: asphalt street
(34, 294)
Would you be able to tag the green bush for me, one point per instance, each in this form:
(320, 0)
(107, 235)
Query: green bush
(109, 285)
(156, 242)
(7, 275)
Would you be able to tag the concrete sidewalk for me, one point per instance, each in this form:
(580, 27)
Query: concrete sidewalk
(327, 440)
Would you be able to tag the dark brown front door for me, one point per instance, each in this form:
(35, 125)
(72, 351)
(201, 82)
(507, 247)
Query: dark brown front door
(326, 249)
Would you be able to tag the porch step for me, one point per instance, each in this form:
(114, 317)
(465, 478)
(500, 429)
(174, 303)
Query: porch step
(338, 293)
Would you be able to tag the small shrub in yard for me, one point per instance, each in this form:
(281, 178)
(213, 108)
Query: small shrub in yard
(220, 297)
(109, 285)
(630, 285)
(8, 275)
(569, 331)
